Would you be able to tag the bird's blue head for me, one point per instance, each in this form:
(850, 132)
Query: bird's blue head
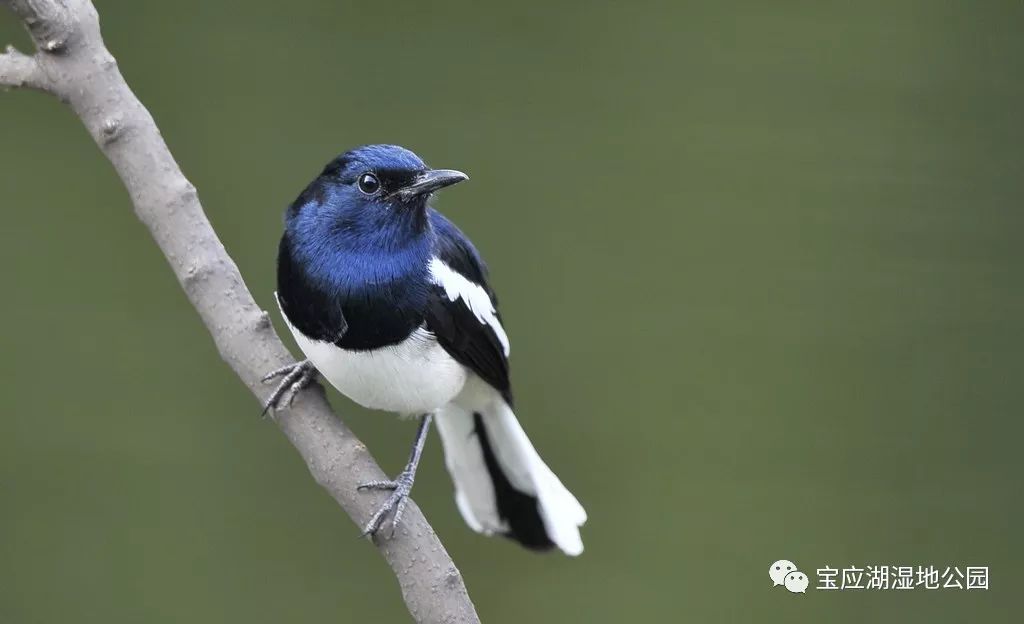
(370, 199)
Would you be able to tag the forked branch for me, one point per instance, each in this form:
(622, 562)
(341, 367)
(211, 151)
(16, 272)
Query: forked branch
(72, 63)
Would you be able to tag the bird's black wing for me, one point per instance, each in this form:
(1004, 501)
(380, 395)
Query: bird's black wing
(463, 311)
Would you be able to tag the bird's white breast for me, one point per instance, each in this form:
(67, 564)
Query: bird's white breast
(414, 376)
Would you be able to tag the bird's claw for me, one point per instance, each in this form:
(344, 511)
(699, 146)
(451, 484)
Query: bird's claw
(400, 489)
(295, 377)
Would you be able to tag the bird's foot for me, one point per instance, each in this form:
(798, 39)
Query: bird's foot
(400, 487)
(295, 377)
(395, 503)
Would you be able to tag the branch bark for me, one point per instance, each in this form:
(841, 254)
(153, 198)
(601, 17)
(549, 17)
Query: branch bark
(72, 63)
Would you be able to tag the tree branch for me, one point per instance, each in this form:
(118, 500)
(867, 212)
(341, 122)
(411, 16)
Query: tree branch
(19, 70)
(73, 64)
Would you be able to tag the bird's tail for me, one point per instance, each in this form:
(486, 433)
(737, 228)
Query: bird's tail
(502, 485)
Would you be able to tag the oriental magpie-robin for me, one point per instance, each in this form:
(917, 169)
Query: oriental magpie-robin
(389, 301)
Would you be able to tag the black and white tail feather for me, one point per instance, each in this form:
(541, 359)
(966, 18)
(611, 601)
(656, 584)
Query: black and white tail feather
(501, 484)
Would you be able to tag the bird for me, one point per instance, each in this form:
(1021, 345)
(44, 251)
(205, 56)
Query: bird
(390, 303)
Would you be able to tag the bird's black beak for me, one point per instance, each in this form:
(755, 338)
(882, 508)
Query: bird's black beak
(429, 181)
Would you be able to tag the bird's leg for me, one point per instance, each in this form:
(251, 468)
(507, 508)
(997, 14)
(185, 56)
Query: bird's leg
(295, 377)
(401, 486)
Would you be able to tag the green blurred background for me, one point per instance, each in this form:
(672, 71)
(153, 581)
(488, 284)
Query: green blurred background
(761, 264)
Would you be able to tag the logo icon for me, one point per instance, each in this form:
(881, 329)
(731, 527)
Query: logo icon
(796, 582)
(784, 572)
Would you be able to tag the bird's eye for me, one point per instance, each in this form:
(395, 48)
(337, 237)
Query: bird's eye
(368, 183)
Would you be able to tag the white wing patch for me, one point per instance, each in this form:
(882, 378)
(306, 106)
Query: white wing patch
(476, 298)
